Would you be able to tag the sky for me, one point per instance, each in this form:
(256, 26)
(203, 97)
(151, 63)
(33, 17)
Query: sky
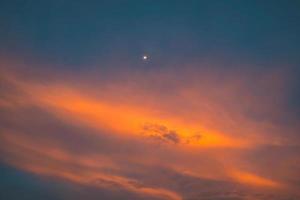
(150, 100)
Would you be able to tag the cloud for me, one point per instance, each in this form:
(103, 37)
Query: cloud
(161, 133)
(201, 135)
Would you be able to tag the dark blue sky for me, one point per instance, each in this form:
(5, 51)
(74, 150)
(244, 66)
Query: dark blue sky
(77, 32)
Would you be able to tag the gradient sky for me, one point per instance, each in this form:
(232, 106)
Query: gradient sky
(212, 114)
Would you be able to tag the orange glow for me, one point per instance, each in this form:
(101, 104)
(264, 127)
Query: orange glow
(57, 162)
(252, 179)
(129, 119)
(196, 134)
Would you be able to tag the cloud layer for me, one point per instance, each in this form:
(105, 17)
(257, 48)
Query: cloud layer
(192, 132)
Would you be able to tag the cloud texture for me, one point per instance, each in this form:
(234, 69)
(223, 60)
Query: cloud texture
(186, 132)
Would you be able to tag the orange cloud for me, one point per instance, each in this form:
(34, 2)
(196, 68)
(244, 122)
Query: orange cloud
(56, 162)
(201, 129)
(129, 119)
(252, 179)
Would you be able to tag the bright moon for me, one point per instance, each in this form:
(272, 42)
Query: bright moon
(145, 57)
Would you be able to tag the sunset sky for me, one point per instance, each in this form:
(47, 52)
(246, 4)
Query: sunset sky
(149, 100)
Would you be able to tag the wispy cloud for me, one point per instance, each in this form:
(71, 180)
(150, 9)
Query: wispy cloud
(121, 133)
